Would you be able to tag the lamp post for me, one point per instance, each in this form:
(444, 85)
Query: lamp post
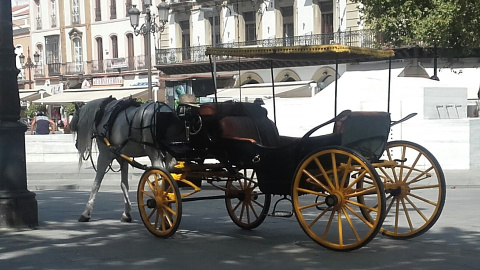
(149, 27)
(18, 206)
(29, 64)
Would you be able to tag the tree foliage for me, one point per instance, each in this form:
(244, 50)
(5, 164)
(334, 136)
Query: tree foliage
(453, 24)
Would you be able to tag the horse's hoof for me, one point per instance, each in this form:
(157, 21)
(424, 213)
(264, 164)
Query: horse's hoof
(83, 218)
(126, 218)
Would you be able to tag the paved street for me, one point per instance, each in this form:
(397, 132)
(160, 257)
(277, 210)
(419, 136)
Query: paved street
(208, 239)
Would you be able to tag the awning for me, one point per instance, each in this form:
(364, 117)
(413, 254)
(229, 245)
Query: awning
(32, 96)
(264, 90)
(86, 95)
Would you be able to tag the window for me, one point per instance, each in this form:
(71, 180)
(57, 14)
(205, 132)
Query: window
(39, 68)
(185, 26)
(130, 51)
(217, 28)
(250, 30)
(54, 14)
(327, 17)
(39, 15)
(77, 54)
(128, 6)
(113, 9)
(288, 27)
(114, 46)
(98, 11)
(98, 67)
(52, 54)
(75, 12)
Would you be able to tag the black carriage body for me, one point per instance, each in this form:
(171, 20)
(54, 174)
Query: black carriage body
(241, 136)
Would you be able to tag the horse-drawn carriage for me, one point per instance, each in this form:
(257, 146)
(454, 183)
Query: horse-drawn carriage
(344, 187)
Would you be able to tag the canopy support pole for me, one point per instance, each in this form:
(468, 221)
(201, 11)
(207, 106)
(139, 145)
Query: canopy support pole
(336, 84)
(213, 76)
(273, 93)
(389, 82)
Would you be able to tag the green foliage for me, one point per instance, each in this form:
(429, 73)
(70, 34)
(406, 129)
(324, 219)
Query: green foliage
(70, 109)
(453, 24)
(32, 110)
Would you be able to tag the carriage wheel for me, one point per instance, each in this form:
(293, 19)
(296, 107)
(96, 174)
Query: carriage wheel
(247, 206)
(159, 202)
(415, 188)
(326, 199)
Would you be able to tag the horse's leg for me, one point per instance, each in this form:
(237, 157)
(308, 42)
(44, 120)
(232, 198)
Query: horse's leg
(102, 165)
(156, 157)
(126, 217)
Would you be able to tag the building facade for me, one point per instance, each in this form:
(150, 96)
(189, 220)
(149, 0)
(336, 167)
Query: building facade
(90, 43)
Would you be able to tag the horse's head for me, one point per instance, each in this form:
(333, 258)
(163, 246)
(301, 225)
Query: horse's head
(76, 115)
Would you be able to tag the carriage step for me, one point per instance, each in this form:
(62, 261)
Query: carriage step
(283, 214)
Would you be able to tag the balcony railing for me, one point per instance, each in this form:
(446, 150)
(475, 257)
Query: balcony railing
(39, 71)
(39, 23)
(54, 69)
(363, 39)
(75, 68)
(54, 21)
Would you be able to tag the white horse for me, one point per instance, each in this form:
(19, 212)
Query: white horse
(134, 130)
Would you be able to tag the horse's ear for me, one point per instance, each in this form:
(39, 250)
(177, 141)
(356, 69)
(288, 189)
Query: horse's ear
(77, 107)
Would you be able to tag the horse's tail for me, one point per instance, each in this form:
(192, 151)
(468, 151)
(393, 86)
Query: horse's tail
(83, 123)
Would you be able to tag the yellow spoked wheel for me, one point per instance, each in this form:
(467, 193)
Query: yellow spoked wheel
(328, 199)
(159, 202)
(415, 186)
(247, 206)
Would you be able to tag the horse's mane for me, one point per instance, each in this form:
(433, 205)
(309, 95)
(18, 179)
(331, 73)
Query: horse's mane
(83, 123)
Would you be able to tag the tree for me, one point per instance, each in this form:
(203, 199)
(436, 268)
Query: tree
(452, 24)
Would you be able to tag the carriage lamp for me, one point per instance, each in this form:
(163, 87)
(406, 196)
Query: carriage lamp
(149, 27)
(29, 64)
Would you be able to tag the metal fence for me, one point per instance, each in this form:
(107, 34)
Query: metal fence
(361, 38)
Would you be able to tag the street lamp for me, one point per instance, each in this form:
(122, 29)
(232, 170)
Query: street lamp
(149, 27)
(29, 64)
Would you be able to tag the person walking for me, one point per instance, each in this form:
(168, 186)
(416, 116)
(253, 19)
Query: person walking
(41, 124)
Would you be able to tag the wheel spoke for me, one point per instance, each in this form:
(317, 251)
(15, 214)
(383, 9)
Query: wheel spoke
(368, 223)
(319, 217)
(364, 191)
(317, 204)
(324, 174)
(416, 209)
(308, 191)
(369, 208)
(423, 199)
(359, 177)
(344, 176)
(316, 181)
(351, 224)
(334, 170)
(407, 215)
(329, 223)
(340, 228)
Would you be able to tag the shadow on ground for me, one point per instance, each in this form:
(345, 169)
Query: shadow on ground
(207, 239)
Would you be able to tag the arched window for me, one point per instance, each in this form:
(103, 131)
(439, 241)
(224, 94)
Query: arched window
(114, 41)
(77, 54)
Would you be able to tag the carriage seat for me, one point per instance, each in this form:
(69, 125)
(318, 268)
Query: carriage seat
(365, 132)
(260, 131)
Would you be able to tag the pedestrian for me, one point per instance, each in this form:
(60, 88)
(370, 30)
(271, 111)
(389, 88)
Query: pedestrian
(41, 124)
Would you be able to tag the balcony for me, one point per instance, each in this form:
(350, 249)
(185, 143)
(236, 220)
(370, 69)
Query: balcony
(194, 54)
(54, 69)
(74, 68)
